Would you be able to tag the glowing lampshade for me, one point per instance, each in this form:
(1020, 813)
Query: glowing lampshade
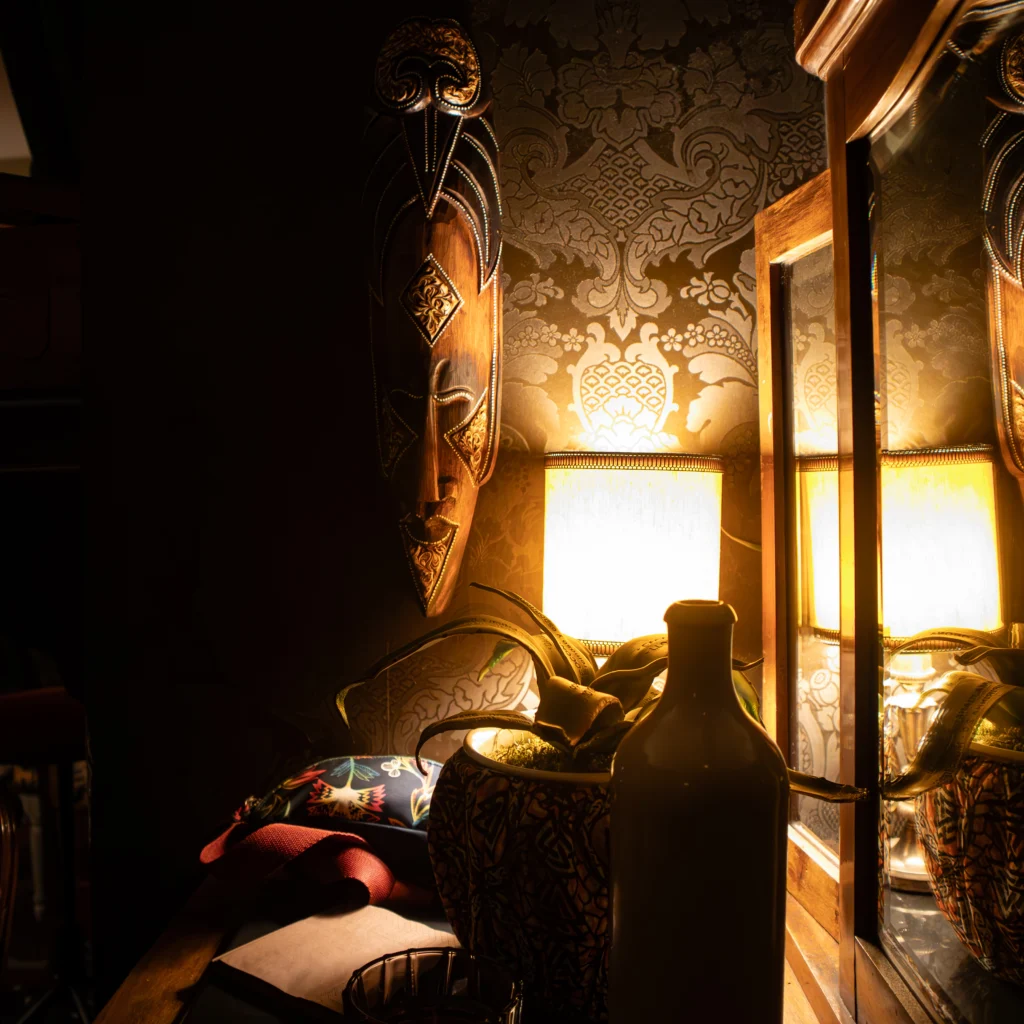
(940, 554)
(624, 537)
(818, 538)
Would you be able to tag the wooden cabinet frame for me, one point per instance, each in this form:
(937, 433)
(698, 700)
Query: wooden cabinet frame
(797, 225)
(874, 57)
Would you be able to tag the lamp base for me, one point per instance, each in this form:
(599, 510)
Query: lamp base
(907, 869)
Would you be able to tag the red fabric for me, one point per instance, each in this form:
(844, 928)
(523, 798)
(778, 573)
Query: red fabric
(252, 854)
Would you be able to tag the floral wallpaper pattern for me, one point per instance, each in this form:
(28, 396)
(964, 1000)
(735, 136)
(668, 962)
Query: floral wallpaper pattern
(931, 289)
(638, 141)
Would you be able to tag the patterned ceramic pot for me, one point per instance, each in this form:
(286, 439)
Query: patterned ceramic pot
(521, 862)
(972, 830)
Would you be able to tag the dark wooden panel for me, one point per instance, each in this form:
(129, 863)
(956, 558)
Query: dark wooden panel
(856, 360)
(882, 997)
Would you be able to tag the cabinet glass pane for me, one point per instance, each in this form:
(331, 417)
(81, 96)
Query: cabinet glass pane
(952, 908)
(812, 407)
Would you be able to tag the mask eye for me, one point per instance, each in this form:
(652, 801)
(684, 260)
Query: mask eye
(408, 406)
(395, 435)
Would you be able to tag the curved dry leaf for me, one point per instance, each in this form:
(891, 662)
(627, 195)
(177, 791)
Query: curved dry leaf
(473, 720)
(747, 695)
(467, 624)
(578, 662)
(605, 740)
(630, 685)
(968, 700)
(569, 712)
(823, 789)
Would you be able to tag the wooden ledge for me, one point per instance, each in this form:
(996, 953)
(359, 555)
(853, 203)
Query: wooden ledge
(813, 957)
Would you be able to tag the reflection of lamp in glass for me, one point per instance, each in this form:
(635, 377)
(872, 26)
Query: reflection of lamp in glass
(624, 537)
(940, 560)
(940, 567)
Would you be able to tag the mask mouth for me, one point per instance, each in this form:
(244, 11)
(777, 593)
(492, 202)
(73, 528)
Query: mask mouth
(431, 528)
(427, 511)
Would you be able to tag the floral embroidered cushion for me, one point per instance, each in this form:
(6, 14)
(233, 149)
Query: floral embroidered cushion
(342, 791)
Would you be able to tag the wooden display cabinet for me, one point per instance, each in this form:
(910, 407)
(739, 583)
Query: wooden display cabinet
(916, 353)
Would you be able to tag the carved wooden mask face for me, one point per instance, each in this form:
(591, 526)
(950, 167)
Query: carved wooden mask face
(435, 324)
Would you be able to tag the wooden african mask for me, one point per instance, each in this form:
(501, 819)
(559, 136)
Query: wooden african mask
(1003, 147)
(434, 206)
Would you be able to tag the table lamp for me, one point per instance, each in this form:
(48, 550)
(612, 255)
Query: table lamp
(626, 535)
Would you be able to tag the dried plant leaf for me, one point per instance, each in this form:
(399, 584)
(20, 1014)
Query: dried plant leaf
(577, 662)
(650, 698)
(968, 701)
(473, 720)
(569, 712)
(502, 649)
(629, 672)
(468, 624)
(823, 789)
(951, 634)
(750, 545)
(747, 695)
(630, 686)
(635, 653)
(604, 741)
(746, 666)
(1007, 661)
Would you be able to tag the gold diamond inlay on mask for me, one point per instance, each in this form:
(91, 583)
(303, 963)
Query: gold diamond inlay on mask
(431, 299)
(469, 440)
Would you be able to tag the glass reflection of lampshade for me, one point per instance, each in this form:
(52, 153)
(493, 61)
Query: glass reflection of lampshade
(940, 557)
(818, 544)
(625, 535)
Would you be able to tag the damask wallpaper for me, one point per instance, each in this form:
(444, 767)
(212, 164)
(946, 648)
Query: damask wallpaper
(638, 140)
(931, 288)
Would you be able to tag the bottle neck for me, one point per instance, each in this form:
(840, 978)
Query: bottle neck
(700, 667)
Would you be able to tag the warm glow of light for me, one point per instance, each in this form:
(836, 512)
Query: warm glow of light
(818, 542)
(940, 561)
(620, 545)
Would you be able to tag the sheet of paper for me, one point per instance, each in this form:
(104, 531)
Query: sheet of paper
(314, 958)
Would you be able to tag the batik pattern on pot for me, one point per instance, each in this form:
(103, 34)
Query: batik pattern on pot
(522, 869)
(972, 830)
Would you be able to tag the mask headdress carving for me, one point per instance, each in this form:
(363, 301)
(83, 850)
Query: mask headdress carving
(1003, 207)
(434, 251)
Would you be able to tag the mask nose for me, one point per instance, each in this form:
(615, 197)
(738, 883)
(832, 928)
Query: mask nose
(427, 492)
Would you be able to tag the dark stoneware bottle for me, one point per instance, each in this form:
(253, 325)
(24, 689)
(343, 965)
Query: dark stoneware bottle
(698, 843)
